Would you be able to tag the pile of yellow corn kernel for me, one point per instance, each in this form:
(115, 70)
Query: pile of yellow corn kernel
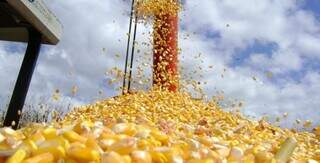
(155, 126)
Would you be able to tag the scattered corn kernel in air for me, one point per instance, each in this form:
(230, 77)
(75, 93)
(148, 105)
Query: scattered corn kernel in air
(254, 78)
(307, 124)
(74, 90)
(56, 95)
(269, 74)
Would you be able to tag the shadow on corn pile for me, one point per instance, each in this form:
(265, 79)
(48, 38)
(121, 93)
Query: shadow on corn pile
(156, 126)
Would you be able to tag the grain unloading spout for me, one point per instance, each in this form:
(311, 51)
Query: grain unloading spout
(165, 50)
(164, 14)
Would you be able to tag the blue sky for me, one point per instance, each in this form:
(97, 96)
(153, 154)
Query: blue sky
(256, 47)
(313, 6)
(261, 37)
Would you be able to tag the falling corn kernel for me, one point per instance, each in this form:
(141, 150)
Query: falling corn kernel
(13, 123)
(307, 124)
(56, 95)
(74, 90)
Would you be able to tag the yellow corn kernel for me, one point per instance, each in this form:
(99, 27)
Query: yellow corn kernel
(263, 157)
(193, 144)
(82, 126)
(114, 137)
(50, 133)
(74, 137)
(201, 161)
(164, 139)
(249, 158)
(125, 146)
(69, 160)
(92, 143)
(317, 155)
(317, 131)
(141, 157)
(9, 132)
(158, 157)
(2, 138)
(7, 153)
(182, 145)
(142, 132)
(106, 136)
(222, 150)
(312, 161)
(286, 150)
(207, 141)
(236, 154)
(194, 155)
(30, 146)
(4, 146)
(106, 131)
(127, 159)
(155, 143)
(37, 137)
(78, 128)
(112, 157)
(62, 141)
(17, 157)
(41, 158)
(105, 144)
(83, 153)
(77, 144)
(213, 155)
(52, 147)
(13, 142)
(169, 153)
(176, 159)
(143, 144)
(124, 128)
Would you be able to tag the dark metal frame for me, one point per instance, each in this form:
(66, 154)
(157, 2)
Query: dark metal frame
(24, 78)
(126, 89)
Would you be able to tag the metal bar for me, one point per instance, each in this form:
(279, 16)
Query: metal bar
(23, 81)
(132, 51)
(127, 54)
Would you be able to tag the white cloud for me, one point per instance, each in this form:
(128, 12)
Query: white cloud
(280, 62)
